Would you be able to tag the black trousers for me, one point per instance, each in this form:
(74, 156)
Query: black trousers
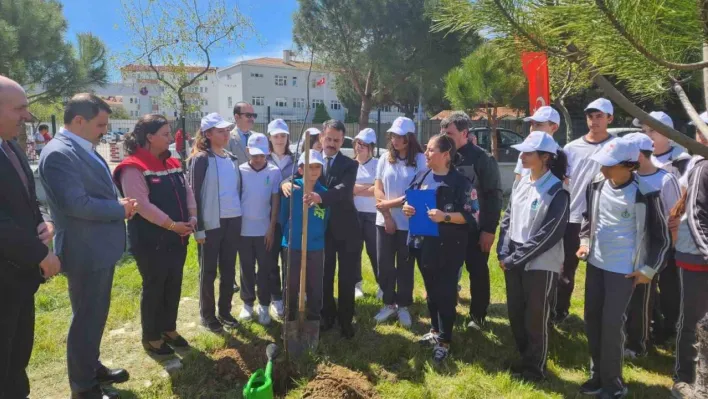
(669, 298)
(639, 315)
(313, 284)
(566, 282)
(478, 269)
(529, 295)
(161, 269)
(694, 306)
(278, 256)
(218, 253)
(396, 267)
(253, 250)
(439, 267)
(16, 340)
(367, 221)
(343, 253)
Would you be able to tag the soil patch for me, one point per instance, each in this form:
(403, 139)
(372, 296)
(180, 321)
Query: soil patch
(336, 382)
(230, 366)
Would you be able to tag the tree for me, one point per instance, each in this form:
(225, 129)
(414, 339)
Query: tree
(170, 37)
(120, 113)
(321, 114)
(487, 79)
(382, 49)
(652, 49)
(36, 54)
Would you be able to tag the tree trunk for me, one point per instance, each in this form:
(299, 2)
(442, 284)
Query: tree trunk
(705, 76)
(364, 112)
(560, 104)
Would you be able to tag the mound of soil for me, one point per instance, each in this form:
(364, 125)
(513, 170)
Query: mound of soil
(230, 366)
(336, 382)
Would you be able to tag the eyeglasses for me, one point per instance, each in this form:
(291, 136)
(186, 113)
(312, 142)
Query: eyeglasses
(248, 115)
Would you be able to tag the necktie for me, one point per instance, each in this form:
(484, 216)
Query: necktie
(16, 163)
(329, 163)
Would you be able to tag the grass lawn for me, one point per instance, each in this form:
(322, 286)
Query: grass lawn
(386, 354)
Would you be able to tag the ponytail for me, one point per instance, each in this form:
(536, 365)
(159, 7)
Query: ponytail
(557, 163)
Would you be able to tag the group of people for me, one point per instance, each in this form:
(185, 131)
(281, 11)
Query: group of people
(632, 207)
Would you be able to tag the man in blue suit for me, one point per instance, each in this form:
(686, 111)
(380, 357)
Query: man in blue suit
(90, 236)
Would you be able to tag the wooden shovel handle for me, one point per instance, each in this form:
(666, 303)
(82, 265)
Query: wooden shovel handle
(305, 214)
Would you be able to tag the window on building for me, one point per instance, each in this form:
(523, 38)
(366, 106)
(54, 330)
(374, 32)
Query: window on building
(206, 90)
(281, 80)
(294, 81)
(230, 101)
(228, 77)
(131, 100)
(137, 101)
(281, 102)
(316, 102)
(206, 102)
(201, 90)
(257, 101)
(298, 103)
(335, 105)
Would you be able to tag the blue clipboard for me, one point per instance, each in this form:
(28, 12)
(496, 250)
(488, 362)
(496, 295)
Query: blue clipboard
(420, 224)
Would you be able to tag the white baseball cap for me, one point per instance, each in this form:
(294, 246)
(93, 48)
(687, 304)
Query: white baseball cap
(602, 105)
(367, 135)
(616, 151)
(313, 131)
(545, 114)
(315, 157)
(538, 141)
(402, 126)
(277, 126)
(214, 120)
(641, 140)
(258, 144)
(703, 116)
(658, 115)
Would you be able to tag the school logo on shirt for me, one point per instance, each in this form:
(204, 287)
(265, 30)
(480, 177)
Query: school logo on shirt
(535, 204)
(449, 208)
(319, 212)
(267, 180)
(626, 214)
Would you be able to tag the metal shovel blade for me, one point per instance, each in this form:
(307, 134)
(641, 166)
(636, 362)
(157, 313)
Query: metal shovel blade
(303, 338)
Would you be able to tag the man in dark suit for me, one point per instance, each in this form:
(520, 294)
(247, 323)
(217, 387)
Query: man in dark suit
(90, 236)
(342, 235)
(25, 259)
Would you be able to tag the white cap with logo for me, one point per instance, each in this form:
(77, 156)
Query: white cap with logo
(658, 115)
(618, 150)
(538, 141)
(315, 157)
(641, 140)
(258, 144)
(402, 126)
(367, 135)
(214, 120)
(545, 114)
(602, 105)
(277, 126)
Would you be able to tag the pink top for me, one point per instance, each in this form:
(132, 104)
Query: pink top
(135, 186)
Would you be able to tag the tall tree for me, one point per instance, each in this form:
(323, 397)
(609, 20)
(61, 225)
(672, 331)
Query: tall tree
(36, 54)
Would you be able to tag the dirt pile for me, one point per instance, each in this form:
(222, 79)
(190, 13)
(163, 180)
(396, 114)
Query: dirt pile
(230, 366)
(336, 382)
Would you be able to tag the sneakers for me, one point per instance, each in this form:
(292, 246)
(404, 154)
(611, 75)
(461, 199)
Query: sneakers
(228, 321)
(430, 338)
(379, 294)
(404, 317)
(475, 323)
(440, 353)
(630, 354)
(618, 394)
(592, 386)
(246, 312)
(358, 290)
(682, 390)
(214, 326)
(385, 312)
(278, 309)
(263, 315)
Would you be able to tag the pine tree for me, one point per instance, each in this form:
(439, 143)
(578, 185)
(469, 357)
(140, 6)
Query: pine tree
(321, 114)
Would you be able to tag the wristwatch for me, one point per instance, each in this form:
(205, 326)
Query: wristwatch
(447, 218)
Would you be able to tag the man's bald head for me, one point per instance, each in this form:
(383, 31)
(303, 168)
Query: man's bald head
(14, 108)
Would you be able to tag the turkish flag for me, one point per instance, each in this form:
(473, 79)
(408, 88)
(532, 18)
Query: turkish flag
(535, 65)
(320, 82)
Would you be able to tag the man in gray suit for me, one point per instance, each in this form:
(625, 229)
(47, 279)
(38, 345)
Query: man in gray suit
(245, 118)
(90, 236)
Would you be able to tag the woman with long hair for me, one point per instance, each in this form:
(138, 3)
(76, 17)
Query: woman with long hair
(216, 181)
(159, 233)
(394, 174)
(530, 249)
(365, 202)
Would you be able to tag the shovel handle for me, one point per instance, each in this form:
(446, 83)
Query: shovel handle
(305, 214)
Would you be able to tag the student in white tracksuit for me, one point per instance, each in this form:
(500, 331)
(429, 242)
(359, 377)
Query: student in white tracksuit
(667, 154)
(641, 307)
(625, 239)
(530, 249)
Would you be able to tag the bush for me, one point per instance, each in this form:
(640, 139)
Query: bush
(321, 114)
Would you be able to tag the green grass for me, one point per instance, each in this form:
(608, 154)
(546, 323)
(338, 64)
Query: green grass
(387, 354)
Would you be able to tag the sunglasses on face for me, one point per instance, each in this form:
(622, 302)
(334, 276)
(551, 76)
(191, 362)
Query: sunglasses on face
(249, 115)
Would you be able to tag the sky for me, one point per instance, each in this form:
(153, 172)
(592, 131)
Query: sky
(272, 20)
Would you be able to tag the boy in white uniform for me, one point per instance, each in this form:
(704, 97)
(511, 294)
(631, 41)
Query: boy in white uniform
(667, 154)
(545, 119)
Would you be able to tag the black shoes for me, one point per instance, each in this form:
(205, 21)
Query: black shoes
(95, 393)
(592, 386)
(178, 342)
(104, 375)
(214, 326)
(348, 331)
(326, 324)
(163, 350)
(228, 321)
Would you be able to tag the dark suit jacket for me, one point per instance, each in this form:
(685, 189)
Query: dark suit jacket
(20, 248)
(339, 198)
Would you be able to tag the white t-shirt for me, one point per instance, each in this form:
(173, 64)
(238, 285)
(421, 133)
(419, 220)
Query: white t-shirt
(258, 186)
(229, 201)
(667, 185)
(366, 175)
(39, 141)
(581, 170)
(615, 229)
(396, 178)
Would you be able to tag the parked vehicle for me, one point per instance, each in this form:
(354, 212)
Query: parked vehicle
(505, 139)
(347, 148)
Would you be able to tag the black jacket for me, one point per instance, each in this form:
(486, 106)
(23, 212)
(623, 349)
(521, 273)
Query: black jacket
(21, 251)
(482, 170)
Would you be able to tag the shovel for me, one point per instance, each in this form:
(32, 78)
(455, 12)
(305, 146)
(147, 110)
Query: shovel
(306, 334)
(260, 385)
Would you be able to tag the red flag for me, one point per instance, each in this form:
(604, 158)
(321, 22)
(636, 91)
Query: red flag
(320, 82)
(535, 67)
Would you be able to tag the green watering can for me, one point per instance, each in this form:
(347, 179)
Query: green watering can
(260, 385)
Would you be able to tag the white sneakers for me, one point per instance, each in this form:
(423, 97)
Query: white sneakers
(379, 294)
(278, 309)
(358, 290)
(246, 313)
(404, 316)
(263, 315)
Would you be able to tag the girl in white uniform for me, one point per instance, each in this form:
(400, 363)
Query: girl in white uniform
(365, 202)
